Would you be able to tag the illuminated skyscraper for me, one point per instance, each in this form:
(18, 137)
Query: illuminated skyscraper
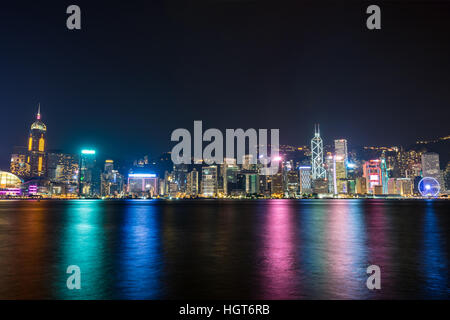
(143, 184)
(19, 165)
(62, 167)
(36, 147)
(192, 183)
(251, 182)
(340, 149)
(431, 167)
(62, 173)
(109, 166)
(305, 179)
(230, 171)
(340, 174)
(89, 175)
(293, 183)
(330, 168)
(248, 163)
(318, 171)
(276, 186)
(209, 181)
(112, 181)
(376, 175)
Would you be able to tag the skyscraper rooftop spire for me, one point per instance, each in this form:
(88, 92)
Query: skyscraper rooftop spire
(316, 130)
(39, 112)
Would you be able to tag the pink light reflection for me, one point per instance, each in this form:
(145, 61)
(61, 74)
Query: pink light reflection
(280, 254)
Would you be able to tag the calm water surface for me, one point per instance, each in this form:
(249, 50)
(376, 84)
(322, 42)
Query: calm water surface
(261, 249)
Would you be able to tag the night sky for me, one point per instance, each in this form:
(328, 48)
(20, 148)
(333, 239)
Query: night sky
(140, 69)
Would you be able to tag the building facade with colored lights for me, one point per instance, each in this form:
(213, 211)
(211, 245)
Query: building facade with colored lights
(375, 174)
(36, 147)
(10, 184)
(143, 185)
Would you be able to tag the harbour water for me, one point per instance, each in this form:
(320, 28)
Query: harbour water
(225, 249)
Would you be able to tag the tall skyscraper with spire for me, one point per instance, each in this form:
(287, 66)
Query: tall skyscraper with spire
(36, 147)
(317, 168)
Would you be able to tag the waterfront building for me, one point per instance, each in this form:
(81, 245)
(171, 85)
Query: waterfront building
(239, 187)
(209, 181)
(340, 175)
(400, 186)
(290, 179)
(171, 187)
(378, 190)
(376, 175)
(264, 184)
(62, 174)
(392, 186)
(142, 184)
(431, 168)
(276, 186)
(320, 186)
(180, 172)
(351, 186)
(10, 184)
(162, 187)
(89, 178)
(251, 181)
(37, 187)
(112, 182)
(192, 183)
(293, 183)
(305, 179)
(330, 168)
(19, 165)
(361, 185)
(230, 171)
(62, 167)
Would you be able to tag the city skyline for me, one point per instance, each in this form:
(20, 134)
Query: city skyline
(294, 172)
(5, 160)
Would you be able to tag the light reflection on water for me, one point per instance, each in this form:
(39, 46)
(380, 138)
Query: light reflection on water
(435, 259)
(270, 249)
(139, 254)
(279, 251)
(346, 247)
(82, 243)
